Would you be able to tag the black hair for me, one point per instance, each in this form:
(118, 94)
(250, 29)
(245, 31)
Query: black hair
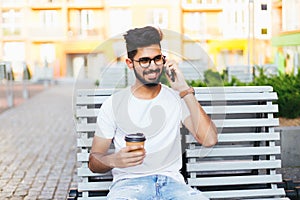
(141, 37)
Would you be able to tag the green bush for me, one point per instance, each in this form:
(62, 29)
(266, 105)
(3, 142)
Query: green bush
(287, 87)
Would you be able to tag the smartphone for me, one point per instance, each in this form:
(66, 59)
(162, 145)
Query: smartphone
(170, 73)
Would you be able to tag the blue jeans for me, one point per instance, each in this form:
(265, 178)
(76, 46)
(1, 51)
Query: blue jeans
(156, 187)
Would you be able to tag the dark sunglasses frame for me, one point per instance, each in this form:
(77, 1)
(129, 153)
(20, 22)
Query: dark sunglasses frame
(149, 60)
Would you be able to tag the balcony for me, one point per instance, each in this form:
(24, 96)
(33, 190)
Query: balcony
(202, 34)
(192, 5)
(46, 33)
(45, 4)
(84, 4)
(119, 3)
(193, 36)
(78, 33)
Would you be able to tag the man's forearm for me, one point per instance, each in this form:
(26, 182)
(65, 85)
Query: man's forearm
(99, 163)
(204, 129)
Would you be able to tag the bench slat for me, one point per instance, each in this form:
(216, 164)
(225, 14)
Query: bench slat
(84, 142)
(237, 97)
(94, 186)
(234, 151)
(213, 152)
(230, 89)
(217, 165)
(202, 90)
(235, 180)
(234, 109)
(259, 122)
(86, 172)
(245, 193)
(232, 165)
(228, 137)
(95, 92)
(91, 100)
(84, 156)
(239, 137)
(89, 112)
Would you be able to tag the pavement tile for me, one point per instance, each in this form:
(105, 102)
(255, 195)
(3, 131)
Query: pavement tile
(6, 194)
(30, 197)
(17, 198)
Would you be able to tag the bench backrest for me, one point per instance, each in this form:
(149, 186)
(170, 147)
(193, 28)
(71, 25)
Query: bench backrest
(243, 163)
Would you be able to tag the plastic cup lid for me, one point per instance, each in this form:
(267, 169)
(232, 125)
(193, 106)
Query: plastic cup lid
(136, 137)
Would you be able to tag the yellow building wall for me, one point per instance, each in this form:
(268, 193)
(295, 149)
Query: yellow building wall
(216, 46)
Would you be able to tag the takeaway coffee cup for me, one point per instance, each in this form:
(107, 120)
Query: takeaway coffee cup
(136, 139)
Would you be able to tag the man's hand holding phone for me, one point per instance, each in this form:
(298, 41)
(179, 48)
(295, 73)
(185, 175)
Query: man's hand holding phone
(175, 76)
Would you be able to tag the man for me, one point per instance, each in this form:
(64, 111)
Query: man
(157, 111)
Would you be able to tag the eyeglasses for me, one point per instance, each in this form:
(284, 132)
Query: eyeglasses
(146, 61)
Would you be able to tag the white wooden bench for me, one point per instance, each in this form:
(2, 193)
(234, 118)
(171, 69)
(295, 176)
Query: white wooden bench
(241, 166)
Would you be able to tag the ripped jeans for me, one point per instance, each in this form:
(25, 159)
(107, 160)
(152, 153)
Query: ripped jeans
(156, 187)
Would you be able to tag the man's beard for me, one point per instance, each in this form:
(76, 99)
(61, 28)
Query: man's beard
(148, 83)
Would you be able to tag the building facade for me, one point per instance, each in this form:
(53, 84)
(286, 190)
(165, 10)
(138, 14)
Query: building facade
(76, 38)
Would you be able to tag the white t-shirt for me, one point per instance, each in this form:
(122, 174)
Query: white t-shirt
(159, 119)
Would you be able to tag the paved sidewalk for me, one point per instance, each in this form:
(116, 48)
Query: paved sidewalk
(38, 146)
(18, 89)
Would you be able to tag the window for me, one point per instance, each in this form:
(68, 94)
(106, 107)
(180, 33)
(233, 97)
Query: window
(236, 19)
(11, 22)
(194, 23)
(87, 19)
(264, 7)
(159, 17)
(264, 31)
(48, 18)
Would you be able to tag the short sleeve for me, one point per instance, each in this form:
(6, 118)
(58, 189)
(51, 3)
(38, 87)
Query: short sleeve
(106, 125)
